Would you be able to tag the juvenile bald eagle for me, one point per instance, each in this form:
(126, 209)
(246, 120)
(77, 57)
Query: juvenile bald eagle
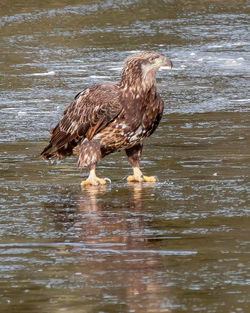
(109, 117)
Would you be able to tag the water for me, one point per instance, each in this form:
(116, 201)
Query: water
(180, 245)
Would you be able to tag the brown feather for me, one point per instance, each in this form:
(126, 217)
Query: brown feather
(91, 110)
(93, 130)
(110, 116)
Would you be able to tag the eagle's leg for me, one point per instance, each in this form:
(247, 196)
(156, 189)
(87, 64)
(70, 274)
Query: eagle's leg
(134, 157)
(93, 179)
(89, 155)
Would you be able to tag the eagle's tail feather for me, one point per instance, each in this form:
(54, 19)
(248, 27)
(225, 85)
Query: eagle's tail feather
(60, 148)
(48, 152)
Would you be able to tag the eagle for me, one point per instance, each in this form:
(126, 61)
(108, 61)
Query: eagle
(112, 116)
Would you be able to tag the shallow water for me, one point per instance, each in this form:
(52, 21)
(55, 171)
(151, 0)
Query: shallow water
(180, 245)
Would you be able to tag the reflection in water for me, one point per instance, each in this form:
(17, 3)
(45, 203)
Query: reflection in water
(89, 201)
(179, 246)
(99, 219)
(105, 228)
(114, 242)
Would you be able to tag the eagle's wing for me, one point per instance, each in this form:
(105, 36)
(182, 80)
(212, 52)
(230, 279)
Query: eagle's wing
(91, 110)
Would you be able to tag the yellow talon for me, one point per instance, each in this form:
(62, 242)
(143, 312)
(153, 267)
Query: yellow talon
(132, 178)
(93, 180)
(150, 179)
(146, 179)
(138, 177)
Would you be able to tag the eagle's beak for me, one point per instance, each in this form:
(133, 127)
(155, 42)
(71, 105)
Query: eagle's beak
(167, 63)
(164, 63)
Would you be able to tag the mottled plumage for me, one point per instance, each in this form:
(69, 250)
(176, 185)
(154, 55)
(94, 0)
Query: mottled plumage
(109, 117)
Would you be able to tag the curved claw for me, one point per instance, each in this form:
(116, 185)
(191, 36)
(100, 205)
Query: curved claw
(107, 180)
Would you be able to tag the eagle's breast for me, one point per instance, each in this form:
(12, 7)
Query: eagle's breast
(138, 119)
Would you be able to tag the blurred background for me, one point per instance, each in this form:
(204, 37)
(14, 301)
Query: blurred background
(180, 245)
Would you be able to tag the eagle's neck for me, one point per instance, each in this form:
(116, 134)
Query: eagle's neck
(137, 83)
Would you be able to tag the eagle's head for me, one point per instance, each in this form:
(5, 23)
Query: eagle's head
(139, 70)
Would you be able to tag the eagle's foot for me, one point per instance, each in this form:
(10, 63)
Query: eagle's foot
(94, 181)
(139, 177)
(150, 179)
(133, 178)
